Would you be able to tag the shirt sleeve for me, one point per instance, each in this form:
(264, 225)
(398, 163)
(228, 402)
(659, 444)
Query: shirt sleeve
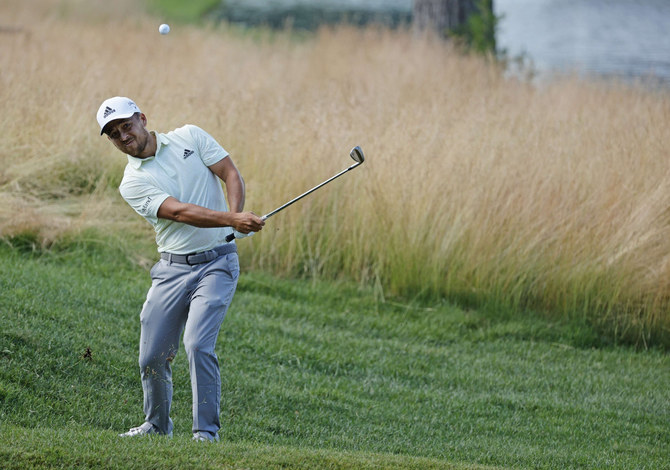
(144, 197)
(209, 149)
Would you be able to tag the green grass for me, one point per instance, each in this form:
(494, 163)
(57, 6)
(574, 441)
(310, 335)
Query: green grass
(191, 11)
(315, 375)
(48, 448)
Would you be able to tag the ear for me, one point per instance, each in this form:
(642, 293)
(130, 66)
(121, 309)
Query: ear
(143, 119)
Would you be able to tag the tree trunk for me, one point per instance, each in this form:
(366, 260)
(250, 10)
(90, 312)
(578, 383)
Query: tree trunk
(441, 15)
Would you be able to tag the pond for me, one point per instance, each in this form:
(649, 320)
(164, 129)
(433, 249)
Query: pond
(629, 39)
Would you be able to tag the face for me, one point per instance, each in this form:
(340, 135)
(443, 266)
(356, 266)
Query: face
(131, 136)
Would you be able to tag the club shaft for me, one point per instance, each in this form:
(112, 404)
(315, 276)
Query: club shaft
(284, 206)
(231, 237)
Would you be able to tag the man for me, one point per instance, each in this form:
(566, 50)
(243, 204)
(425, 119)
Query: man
(174, 180)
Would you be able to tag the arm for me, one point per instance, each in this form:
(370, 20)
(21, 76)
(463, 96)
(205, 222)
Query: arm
(227, 171)
(199, 216)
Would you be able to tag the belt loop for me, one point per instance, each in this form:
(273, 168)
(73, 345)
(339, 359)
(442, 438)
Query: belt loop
(170, 258)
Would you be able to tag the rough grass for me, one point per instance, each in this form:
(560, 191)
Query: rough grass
(478, 188)
(315, 375)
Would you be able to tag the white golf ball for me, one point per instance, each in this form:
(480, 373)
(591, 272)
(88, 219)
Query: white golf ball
(164, 28)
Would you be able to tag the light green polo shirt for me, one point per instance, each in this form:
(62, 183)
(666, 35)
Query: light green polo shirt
(179, 169)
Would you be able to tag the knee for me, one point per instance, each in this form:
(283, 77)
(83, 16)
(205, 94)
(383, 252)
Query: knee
(198, 350)
(155, 361)
(195, 348)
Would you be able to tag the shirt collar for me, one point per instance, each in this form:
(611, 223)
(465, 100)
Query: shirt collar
(161, 139)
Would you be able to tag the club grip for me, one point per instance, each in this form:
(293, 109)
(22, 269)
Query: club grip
(236, 234)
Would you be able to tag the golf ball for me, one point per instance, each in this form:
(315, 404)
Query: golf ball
(164, 28)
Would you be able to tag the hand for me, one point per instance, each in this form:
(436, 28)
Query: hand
(246, 223)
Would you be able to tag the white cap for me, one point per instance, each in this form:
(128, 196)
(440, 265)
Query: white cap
(118, 107)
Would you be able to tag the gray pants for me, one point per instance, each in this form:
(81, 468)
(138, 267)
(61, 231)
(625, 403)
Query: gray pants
(193, 299)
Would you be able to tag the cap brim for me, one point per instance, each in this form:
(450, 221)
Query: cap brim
(116, 118)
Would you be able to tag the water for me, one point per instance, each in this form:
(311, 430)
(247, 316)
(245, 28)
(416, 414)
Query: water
(308, 14)
(629, 39)
(405, 5)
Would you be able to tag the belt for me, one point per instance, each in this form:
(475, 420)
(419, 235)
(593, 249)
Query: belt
(201, 257)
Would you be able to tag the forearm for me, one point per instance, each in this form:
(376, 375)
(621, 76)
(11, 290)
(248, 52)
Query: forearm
(235, 193)
(196, 216)
(235, 190)
(199, 216)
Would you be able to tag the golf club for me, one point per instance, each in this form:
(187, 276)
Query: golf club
(356, 154)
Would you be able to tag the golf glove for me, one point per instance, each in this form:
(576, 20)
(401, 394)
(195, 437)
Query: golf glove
(242, 235)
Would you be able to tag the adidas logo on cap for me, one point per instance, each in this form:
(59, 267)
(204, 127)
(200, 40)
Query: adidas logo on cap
(118, 107)
(188, 153)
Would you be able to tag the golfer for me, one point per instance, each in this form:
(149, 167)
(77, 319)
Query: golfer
(173, 180)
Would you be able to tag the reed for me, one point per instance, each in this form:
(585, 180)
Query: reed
(477, 187)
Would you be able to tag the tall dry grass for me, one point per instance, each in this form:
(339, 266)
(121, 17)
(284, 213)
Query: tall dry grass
(476, 187)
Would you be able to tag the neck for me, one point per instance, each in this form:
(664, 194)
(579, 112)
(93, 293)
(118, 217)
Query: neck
(150, 148)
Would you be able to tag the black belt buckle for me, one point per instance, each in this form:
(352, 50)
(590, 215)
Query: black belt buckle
(202, 257)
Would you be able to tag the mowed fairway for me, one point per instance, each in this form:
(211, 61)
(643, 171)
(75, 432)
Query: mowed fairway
(316, 375)
(489, 290)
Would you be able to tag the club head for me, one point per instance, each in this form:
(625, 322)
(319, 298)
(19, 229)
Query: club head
(357, 154)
